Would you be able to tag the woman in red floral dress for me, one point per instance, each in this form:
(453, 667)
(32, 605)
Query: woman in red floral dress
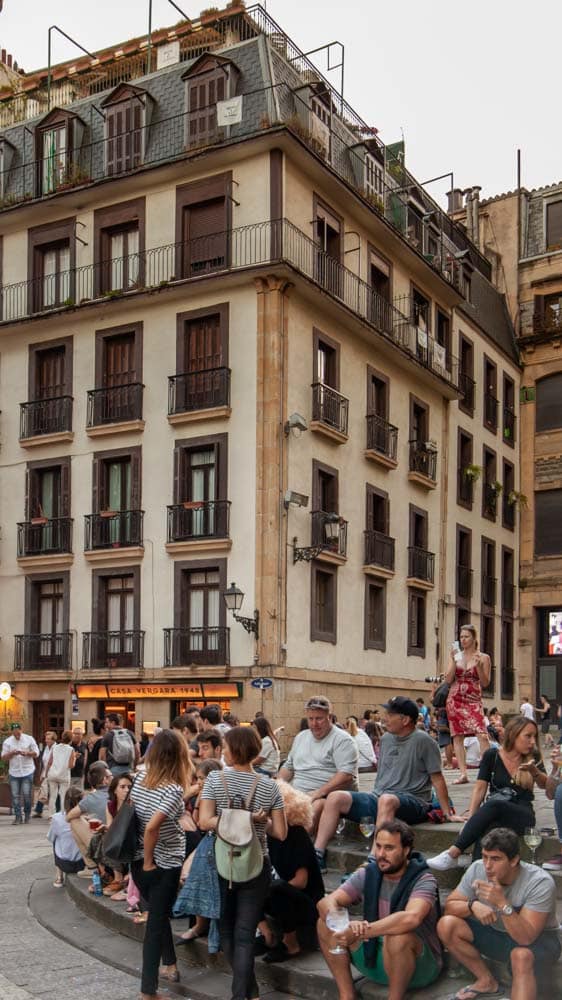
(465, 712)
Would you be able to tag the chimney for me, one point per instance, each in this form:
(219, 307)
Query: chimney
(468, 206)
(454, 199)
(476, 215)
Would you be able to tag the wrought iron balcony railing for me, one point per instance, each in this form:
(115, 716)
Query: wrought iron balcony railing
(114, 405)
(465, 487)
(202, 390)
(330, 407)
(467, 386)
(381, 436)
(113, 650)
(490, 411)
(322, 535)
(421, 563)
(113, 529)
(43, 536)
(185, 647)
(489, 584)
(423, 459)
(45, 416)
(198, 519)
(464, 582)
(256, 245)
(379, 550)
(509, 422)
(43, 651)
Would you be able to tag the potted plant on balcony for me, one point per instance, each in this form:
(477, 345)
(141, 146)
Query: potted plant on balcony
(39, 518)
(193, 504)
(516, 499)
(109, 513)
(472, 472)
(496, 488)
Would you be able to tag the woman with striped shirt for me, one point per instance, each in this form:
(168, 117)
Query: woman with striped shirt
(158, 798)
(242, 902)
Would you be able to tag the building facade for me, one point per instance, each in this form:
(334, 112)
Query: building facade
(239, 342)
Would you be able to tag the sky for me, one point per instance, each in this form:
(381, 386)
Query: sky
(466, 84)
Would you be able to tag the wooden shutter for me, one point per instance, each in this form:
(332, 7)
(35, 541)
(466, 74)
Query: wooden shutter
(202, 96)
(136, 480)
(98, 485)
(65, 501)
(205, 225)
(203, 347)
(179, 463)
(113, 125)
(50, 373)
(119, 360)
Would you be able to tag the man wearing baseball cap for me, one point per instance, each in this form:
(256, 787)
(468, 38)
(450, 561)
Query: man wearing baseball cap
(409, 765)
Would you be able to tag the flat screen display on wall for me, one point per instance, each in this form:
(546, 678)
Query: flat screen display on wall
(554, 624)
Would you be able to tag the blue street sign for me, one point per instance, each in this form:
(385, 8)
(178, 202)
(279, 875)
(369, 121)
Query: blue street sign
(261, 683)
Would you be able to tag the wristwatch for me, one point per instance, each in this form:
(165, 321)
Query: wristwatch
(506, 910)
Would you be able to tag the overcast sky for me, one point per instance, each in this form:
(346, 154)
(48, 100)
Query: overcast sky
(466, 83)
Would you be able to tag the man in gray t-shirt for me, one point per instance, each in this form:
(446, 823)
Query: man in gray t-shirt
(322, 758)
(409, 765)
(505, 910)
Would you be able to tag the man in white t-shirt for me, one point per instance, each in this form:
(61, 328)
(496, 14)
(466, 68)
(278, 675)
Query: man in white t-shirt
(323, 758)
(527, 710)
(21, 751)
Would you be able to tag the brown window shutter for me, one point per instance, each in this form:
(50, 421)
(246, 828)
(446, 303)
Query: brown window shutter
(65, 501)
(136, 480)
(137, 133)
(179, 462)
(97, 473)
(205, 235)
(110, 153)
(554, 224)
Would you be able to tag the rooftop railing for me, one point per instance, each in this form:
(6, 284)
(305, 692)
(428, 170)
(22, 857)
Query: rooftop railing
(251, 246)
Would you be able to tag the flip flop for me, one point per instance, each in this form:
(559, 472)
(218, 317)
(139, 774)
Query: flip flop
(190, 935)
(140, 918)
(471, 993)
(461, 781)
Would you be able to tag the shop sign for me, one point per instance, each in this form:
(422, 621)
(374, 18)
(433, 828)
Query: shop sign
(262, 683)
(154, 691)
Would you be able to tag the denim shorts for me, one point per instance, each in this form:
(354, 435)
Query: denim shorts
(411, 809)
(499, 945)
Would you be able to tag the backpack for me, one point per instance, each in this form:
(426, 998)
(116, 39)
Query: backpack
(122, 749)
(59, 769)
(238, 852)
(439, 699)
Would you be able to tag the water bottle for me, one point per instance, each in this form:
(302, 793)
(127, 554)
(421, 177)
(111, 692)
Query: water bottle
(96, 882)
(457, 653)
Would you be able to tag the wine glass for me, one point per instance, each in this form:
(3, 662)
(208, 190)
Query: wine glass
(367, 827)
(337, 919)
(340, 829)
(533, 839)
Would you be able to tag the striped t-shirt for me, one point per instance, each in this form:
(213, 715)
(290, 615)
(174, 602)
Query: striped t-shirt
(168, 799)
(267, 795)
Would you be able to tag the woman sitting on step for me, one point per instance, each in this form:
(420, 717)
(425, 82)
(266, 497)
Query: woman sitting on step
(507, 777)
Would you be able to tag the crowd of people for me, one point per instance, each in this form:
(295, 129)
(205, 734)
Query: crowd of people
(234, 839)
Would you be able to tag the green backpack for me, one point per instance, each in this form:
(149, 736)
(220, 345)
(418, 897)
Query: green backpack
(238, 852)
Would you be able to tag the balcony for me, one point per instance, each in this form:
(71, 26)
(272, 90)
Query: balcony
(464, 582)
(508, 597)
(379, 551)
(489, 590)
(489, 500)
(330, 533)
(256, 245)
(467, 387)
(201, 647)
(465, 487)
(43, 536)
(198, 520)
(423, 463)
(421, 565)
(113, 529)
(45, 417)
(44, 651)
(330, 412)
(199, 392)
(113, 650)
(120, 404)
(490, 411)
(382, 440)
(509, 422)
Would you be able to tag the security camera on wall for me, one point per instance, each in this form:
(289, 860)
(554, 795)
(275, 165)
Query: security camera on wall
(295, 423)
(296, 499)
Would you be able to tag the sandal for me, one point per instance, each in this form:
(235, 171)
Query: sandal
(140, 917)
(171, 977)
(461, 781)
(58, 883)
(119, 897)
(190, 935)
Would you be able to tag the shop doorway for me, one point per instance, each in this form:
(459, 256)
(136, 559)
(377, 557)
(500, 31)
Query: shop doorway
(126, 709)
(47, 715)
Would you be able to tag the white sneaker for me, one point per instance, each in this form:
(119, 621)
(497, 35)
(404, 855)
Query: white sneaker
(443, 862)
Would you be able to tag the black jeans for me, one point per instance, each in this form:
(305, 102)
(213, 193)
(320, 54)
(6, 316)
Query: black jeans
(290, 907)
(159, 888)
(241, 912)
(493, 813)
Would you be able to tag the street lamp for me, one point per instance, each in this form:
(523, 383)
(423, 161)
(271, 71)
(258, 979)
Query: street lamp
(233, 598)
(330, 529)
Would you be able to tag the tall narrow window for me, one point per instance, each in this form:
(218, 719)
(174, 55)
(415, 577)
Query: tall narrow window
(119, 245)
(375, 614)
(489, 579)
(125, 112)
(554, 225)
(466, 375)
(467, 472)
(323, 625)
(200, 612)
(210, 79)
(380, 281)
(548, 414)
(416, 622)
(490, 395)
(464, 566)
(328, 229)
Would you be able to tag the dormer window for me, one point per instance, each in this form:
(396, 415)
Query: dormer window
(6, 156)
(211, 79)
(127, 116)
(58, 141)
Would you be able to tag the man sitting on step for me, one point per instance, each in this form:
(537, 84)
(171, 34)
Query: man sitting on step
(503, 909)
(409, 764)
(396, 944)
